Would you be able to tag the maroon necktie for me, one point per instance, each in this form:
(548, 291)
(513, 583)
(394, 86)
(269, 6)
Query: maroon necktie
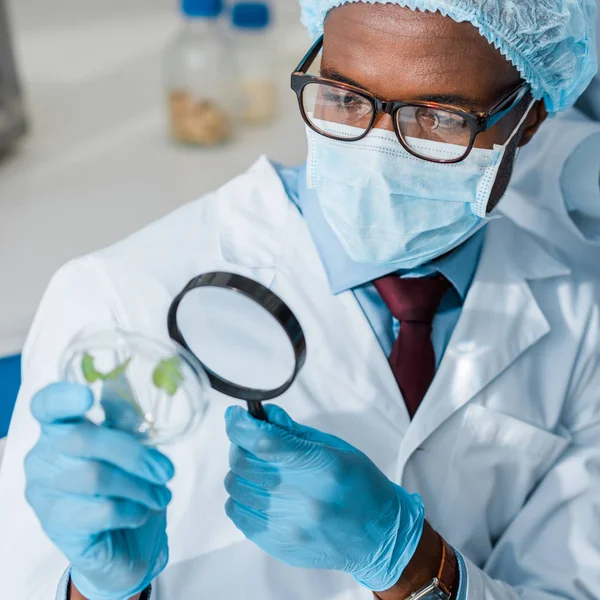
(414, 303)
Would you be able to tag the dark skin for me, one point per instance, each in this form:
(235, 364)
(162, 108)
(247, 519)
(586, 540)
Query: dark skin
(398, 54)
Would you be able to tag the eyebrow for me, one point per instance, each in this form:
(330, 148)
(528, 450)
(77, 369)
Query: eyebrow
(329, 73)
(454, 100)
(451, 99)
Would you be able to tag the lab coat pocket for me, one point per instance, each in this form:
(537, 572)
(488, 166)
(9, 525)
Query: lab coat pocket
(498, 461)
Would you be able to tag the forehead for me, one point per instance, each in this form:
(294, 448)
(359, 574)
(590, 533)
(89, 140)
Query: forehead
(397, 53)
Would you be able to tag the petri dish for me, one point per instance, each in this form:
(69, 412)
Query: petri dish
(153, 389)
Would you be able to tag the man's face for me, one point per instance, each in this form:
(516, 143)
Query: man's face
(399, 54)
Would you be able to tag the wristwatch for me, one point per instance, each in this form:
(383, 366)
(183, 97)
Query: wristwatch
(442, 586)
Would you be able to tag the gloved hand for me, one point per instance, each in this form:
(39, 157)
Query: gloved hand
(100, 496)
(312, 500)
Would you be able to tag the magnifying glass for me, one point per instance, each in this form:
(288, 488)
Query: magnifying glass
(229, 333)
(247, 339)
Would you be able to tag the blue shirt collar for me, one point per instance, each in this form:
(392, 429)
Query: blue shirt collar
(458, 266)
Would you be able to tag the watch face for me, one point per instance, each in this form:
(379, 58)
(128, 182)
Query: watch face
(431, 592)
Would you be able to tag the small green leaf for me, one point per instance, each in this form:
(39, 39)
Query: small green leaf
(88, 369)
(117, 371)
(91, 374)
(167, 375)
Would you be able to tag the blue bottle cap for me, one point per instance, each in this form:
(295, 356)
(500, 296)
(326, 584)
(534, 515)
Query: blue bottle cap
(250, 15)
(202, 8)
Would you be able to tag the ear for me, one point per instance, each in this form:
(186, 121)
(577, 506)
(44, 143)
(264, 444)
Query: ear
(537, 115)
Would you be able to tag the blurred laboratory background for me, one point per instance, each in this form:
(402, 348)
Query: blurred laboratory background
(114, 113)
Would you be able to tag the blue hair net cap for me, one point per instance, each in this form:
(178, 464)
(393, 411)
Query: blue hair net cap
(550, 42)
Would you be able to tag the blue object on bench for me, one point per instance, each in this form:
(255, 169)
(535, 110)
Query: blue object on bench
(10, 381)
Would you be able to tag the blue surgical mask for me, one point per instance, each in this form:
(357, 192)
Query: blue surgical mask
(388, 207)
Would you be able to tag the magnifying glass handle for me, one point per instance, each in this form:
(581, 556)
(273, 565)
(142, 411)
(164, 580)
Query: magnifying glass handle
(256, 409)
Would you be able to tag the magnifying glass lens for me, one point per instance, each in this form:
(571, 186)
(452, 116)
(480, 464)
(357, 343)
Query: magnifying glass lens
(246, 338)
(236, 338)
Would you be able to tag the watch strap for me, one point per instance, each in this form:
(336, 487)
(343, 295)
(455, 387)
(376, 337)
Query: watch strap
(448, 568)
(447, 577)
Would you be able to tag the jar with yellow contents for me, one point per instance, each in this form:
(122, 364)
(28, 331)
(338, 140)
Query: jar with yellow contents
(201, 78)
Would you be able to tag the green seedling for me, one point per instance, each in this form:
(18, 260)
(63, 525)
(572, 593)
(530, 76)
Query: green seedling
(167, 375)
(115, 387)
(91, 374)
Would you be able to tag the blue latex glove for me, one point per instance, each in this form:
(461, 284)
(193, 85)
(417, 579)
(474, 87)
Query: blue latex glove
(100, 496)
(312, 500)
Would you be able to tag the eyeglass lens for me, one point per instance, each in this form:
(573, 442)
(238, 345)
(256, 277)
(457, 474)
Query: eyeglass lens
(346, 115)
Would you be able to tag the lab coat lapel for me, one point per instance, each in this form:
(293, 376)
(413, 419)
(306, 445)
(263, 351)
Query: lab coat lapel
(500, 320)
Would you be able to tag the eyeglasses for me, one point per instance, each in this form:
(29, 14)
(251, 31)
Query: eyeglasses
(344, 112)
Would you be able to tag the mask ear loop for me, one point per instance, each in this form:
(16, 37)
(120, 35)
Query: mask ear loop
(519, 124)
(519, 148)
(480, 207)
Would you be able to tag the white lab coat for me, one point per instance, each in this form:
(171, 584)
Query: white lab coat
(504, 450)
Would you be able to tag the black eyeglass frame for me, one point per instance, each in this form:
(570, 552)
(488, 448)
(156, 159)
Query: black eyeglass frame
(477, 122)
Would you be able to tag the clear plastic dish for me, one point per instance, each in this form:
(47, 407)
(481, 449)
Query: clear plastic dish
(155, 390)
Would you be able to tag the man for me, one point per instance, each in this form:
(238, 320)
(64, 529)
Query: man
(469, 469)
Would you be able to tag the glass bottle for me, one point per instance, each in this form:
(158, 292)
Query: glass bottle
(256, 64)
(201, 77)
